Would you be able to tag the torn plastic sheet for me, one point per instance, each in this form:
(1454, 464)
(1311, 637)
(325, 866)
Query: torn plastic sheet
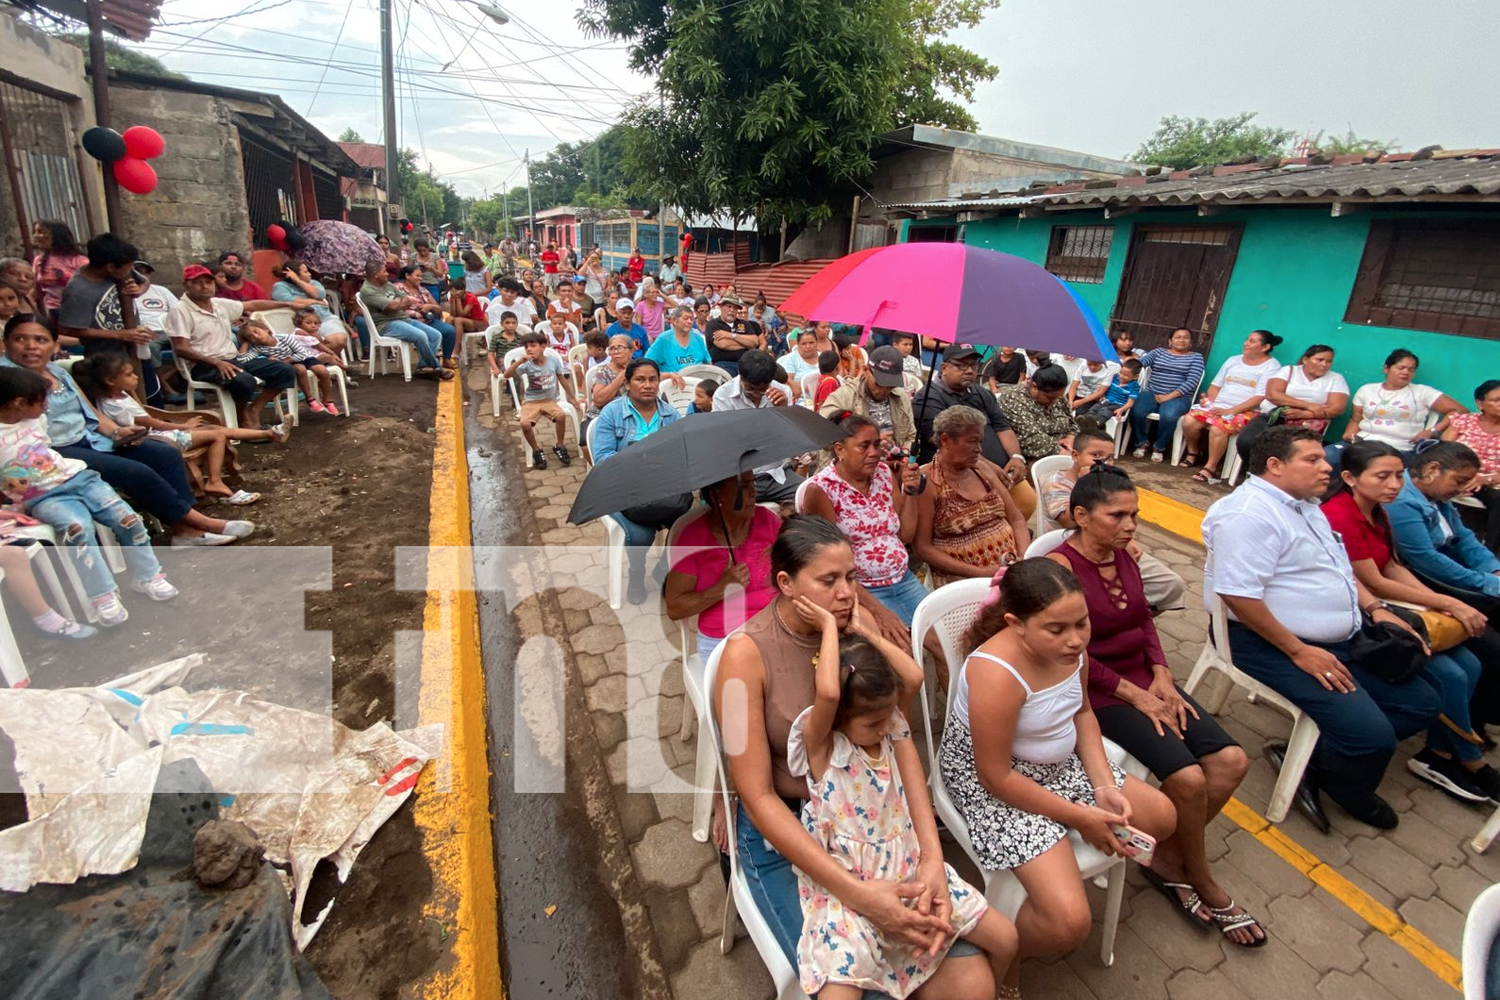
(310, 787)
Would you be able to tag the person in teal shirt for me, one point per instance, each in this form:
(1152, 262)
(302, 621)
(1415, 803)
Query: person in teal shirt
(680, 345)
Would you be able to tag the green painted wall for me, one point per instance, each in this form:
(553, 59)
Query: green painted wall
(1292, 276)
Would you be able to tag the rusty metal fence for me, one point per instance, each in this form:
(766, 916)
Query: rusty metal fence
(41, 162)
(270, 188)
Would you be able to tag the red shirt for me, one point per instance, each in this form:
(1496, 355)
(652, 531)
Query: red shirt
(471, 310)
(247, 292)
(549, 261)
(636, 267)
(826, 385)
(1362, 540)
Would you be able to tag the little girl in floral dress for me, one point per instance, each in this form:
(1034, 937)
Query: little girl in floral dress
(855, 748)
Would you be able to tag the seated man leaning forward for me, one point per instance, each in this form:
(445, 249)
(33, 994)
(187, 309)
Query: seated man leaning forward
(1294, 603)
(202, 330)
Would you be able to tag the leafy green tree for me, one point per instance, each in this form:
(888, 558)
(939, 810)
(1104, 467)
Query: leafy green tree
(126, 60)
(427, 199)
(773, 106)
(349, 135)
(1349, 143)
(1182, 143)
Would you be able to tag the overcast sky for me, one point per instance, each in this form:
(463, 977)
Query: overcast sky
(1091, 75)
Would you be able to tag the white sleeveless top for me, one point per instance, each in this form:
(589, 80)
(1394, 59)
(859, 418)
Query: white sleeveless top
(1044, 730)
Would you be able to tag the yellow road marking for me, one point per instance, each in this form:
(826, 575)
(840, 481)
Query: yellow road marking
(1186, 521)
(453, 808)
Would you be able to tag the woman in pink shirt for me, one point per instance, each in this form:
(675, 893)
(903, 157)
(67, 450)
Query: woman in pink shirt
(721, 563)
(57, 258)
(651, 310)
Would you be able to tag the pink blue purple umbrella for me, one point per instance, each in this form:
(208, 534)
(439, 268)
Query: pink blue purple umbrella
(955, 293)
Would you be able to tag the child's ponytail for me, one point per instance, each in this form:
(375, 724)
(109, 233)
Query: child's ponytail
(866, 678)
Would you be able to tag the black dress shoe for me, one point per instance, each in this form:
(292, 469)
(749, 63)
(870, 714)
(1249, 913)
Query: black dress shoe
(1306, 798)
(1376, 812)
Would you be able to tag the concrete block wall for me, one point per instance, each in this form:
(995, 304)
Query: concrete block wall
(198, 209)
(911, 175)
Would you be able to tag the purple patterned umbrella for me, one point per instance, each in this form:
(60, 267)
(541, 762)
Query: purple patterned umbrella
(333, 247)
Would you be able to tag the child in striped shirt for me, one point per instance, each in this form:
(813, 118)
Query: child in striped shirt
(257, 341)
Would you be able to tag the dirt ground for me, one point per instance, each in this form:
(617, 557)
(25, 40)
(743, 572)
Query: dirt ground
(337, 502)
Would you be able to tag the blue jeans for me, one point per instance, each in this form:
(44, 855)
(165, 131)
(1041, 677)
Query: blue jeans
(419, 335)
(72, 509)
(447, 331)
(1454, 674)
(1169, 413)
(902, 597)
(773, 885)
(638, 539)
(151, 473)
(1359, 729)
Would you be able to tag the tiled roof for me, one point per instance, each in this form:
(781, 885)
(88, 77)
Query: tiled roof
(1463, 175)
(366, 154)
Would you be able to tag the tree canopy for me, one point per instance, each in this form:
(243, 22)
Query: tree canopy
(349, 135)
(126, 60)
(426, 199)
(773, 106)
(1182, 143)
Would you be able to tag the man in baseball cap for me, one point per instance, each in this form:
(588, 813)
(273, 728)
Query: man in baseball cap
(880, 395)
(625, 326)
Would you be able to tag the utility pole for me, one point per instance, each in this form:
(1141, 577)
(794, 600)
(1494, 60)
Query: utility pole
(505, 208)
(530, 205)
(388, 102)
(100, 74)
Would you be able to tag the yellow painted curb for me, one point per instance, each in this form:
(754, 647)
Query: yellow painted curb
(1177, 517)
(452, 798)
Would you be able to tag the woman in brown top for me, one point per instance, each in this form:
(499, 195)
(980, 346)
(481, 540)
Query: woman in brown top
(764, 681)
(967, 523)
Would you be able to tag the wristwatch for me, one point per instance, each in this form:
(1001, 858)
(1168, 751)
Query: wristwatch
(1375, 606)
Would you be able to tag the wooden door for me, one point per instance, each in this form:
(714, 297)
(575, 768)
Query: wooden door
(1175, 276)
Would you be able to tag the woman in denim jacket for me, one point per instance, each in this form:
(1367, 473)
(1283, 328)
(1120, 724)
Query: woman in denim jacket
(1430, 536)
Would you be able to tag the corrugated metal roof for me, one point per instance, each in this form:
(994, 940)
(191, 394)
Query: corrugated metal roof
(1466, 175)
(370, 155)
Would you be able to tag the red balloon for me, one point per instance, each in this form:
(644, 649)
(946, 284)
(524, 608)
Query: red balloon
(276, 235)
(135, 176)
(143, 143)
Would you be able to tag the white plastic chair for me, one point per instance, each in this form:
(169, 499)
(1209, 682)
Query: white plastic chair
(1042, 471)
(379, 345)
(12, 667)
(950, 611)
(513, 355)
(1480, 930)
(809, 385)
(226, 402)
(738, 901)
(682, 398)
(1304, 737)
(614, 542)
(694, 704)
(108, 544)
(578, 364)
(1044, 543)
(797, 501)
(701, 371)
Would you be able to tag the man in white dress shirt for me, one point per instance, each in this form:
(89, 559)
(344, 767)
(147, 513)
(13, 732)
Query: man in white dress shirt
(1294, 604)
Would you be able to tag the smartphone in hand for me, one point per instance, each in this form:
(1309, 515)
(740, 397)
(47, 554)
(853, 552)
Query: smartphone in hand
(1139, 847)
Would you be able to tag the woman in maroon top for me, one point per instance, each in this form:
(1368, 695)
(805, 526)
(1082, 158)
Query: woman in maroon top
(1140, 707)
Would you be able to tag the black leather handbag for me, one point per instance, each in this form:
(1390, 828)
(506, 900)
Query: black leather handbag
(1388, 651)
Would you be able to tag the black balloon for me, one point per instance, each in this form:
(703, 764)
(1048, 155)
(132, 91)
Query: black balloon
(104, 144)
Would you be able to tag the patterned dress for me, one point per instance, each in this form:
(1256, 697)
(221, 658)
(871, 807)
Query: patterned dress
(871, 522)
(857, 811)
(972, 531)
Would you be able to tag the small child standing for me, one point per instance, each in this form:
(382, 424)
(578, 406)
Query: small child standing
(541, 373)
(69, 496)
(1124, 389)
(108, 381)
(854, 747)
(828, 380)
(257, 341)
(906, 343)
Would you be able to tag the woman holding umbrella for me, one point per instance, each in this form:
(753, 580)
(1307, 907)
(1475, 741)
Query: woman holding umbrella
(637, 415)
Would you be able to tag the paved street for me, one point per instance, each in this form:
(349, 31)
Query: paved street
(1337, 911)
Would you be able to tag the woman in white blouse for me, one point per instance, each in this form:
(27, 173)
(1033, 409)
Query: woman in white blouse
(1395, 411)
(1232, 401)
(1308, 394)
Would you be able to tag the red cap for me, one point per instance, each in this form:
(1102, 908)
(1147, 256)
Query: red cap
(196, 271)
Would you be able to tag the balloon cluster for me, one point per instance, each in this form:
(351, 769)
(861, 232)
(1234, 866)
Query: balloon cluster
(127, 154)
(283, 236)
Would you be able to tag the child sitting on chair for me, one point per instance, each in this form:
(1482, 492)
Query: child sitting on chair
(69, 496)
(108, 381)
(257, 341)
(542, 373)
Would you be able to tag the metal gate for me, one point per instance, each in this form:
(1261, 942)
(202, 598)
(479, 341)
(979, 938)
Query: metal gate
(36, 135)
(327, 195)
(1175, 276)
(270, 188)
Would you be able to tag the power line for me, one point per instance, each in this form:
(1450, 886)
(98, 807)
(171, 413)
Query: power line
(324, 75)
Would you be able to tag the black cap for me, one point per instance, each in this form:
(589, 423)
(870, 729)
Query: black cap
(886, 365)
(961, 353)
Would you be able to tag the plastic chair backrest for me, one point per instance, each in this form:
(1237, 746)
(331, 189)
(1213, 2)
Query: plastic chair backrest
(801, 492)
(1045, 468)
(589, 437)
(949, 611)
(1043, 544)
(809, 384)
(702, 371)
(279, 320)
(1480, 930)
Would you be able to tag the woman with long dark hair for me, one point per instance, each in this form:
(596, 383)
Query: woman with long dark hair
(58, 257)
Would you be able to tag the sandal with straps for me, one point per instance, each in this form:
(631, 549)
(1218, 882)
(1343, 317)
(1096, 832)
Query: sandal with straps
(1227, 922)
(1189, 906)
(1205, 477)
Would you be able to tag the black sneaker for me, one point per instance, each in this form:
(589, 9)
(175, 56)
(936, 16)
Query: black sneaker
(539, 459)
(1447, 774)
(1377, 813)
(562, 455)
(1487, 780)
(1306, 799)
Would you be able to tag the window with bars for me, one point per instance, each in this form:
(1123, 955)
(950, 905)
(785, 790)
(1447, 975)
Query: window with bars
(1439, 275)
(1080, 253)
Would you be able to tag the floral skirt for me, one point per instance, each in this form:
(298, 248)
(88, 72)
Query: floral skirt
(1228, 424)
(1003, 836)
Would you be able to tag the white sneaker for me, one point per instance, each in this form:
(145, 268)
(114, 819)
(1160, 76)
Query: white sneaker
(111, 612)
(207, 538)
(282, 431)
(157, 588)
(239, 529)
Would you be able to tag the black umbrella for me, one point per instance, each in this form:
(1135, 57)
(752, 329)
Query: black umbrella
(699, 451)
